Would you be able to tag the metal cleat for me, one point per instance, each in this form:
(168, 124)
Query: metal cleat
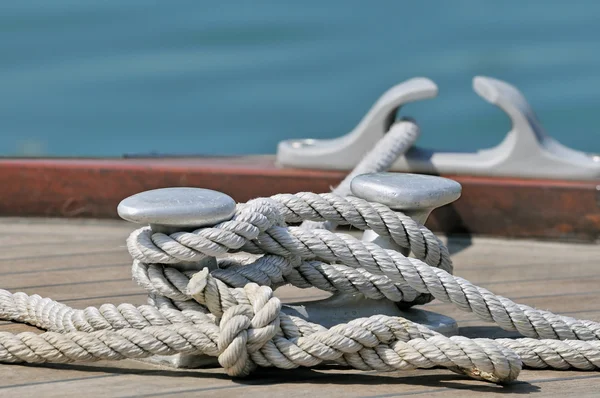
(527, 151)
(345, 152)
(171, 210)
(185, 209)
(417, 196)
(175, 209)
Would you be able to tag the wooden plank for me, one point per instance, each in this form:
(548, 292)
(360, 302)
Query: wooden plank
(52, 227)
(136, 382)
(42, 251)
(69, 260)
(67, 279)
(558, 277)
(489, 206)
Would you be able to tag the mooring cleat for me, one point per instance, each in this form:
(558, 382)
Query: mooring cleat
(343, 308)
(416, 196)
(169, 210)
(185, 209)
(527, 151)
(176, 209)
(345, 152)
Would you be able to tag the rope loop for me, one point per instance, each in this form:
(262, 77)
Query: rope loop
(230, 312)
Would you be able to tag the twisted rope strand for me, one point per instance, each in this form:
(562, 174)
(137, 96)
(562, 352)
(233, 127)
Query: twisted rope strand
(395, 143)
(419, 277)
(232, 314)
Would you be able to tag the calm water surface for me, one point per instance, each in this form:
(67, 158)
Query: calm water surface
(85, 78)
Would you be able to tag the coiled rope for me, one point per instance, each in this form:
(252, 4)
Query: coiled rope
(231, 312)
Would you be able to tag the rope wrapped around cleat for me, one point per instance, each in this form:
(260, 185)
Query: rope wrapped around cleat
(231, 312)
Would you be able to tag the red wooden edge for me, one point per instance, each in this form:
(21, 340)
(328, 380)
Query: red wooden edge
(509, 207)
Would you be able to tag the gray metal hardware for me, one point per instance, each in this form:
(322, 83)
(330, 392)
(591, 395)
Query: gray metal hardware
(527, 151)
(343, 308)
(343, 153)
(177, 208)
(169, 210)
(416, 195)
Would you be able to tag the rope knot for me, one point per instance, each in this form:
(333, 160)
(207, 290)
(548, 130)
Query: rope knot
(246, 328)
(249, 318)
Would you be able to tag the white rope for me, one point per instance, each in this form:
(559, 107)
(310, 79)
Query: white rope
(232, 314)
(399, 138)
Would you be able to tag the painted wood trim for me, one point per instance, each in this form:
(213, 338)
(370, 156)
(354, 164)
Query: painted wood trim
(92, 188)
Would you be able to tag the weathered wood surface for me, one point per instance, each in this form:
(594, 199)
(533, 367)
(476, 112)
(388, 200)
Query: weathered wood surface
(84, 263)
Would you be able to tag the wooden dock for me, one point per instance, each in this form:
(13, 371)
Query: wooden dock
(85, 263)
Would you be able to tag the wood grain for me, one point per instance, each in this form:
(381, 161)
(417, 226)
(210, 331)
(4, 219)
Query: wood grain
(558, 277)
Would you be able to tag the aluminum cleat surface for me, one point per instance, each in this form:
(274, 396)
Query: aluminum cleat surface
(527, 151)
(343, 153)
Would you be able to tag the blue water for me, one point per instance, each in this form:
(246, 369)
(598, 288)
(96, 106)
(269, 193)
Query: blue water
(91, 78)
